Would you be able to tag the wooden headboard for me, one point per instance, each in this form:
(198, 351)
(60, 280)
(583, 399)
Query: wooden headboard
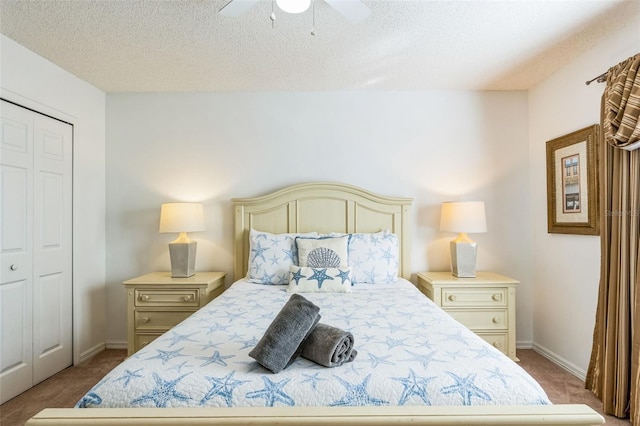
(323, 207)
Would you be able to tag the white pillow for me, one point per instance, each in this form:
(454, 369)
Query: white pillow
(319, 280)
(326, 252)
(374, 257)
(271, 255)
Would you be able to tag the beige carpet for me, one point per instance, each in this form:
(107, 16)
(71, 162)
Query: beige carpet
(61, 390)
(67, 387)
(561, 386)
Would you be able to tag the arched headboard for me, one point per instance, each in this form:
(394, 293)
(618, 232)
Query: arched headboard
(323, 207)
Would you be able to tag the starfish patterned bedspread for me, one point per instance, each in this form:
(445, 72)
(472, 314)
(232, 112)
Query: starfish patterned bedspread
(410, 352)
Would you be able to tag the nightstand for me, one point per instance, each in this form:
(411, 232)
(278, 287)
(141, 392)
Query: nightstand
(485, 304)
(156, 302)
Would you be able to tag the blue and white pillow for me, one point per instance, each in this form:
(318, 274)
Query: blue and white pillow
(323, 252)
(319, 280)
(374, 257)
(271, 256)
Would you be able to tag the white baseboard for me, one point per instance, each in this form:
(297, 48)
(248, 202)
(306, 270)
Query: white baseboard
(524, 345)
(92, 351)
(560, 362)
(116, 344)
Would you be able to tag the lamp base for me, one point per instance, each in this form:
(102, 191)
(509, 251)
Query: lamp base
(183, 259)
(463, 258)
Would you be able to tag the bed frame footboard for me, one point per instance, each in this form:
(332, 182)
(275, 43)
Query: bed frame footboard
(482, 415)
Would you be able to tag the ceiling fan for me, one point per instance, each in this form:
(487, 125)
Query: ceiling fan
(354, 10)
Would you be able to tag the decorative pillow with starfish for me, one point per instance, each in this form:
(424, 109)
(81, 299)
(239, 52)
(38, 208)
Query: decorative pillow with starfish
(303, 279)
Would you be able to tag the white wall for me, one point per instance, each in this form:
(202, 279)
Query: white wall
(34, 82)
(433, 146)
(567, 267)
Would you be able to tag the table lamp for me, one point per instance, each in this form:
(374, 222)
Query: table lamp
(463, 217)
(182, 218)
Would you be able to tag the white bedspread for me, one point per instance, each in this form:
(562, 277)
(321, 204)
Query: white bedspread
(410, 352)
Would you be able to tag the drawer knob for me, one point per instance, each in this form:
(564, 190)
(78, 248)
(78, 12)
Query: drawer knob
(188, 298)
(497, 297)
(496, 320)
(144, 297)
(144, 320)
(13, 267)
(497, 345)
(452, 297)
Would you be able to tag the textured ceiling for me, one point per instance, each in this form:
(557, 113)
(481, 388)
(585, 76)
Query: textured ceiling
(185, 45)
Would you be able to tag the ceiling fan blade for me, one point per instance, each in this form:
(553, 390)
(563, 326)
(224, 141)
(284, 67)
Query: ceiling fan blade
(236, 8)
(354, 10)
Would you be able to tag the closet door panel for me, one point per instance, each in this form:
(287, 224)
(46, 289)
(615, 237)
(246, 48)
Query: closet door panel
(13, 300)
(52, 247)
(15, 205)
(16, 251)
(50, 314)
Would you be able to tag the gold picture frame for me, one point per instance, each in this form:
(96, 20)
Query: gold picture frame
(572, 183)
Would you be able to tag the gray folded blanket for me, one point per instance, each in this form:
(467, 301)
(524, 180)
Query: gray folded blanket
(329, 346)
(283, 341)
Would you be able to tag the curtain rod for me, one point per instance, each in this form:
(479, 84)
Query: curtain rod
(599, 79)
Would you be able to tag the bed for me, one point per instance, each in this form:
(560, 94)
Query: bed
(415, 364)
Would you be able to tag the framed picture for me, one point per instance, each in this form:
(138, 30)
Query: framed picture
(572, 183)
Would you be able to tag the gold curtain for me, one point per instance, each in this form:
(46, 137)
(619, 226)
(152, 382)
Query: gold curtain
(614, 373)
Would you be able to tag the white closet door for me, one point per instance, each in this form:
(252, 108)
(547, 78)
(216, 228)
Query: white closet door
(52, 345)
(36, 252)
(16, 253)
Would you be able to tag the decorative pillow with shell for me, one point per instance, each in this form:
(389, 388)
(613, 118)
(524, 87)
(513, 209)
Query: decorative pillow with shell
(326, 252)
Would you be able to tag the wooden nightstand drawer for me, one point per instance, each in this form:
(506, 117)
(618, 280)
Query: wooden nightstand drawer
(143, 340)
(188, 297)
(471, 297)
(497, 340)
(482, 319)
(159, 320)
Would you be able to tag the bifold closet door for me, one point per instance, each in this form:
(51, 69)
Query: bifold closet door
(36, 252)
(16, 286)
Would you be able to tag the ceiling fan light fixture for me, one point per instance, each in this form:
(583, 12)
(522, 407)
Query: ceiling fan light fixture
(293, 6)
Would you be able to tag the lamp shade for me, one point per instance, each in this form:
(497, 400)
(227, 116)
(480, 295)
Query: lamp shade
(463, 216)
(293, 6)
(181, 217)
